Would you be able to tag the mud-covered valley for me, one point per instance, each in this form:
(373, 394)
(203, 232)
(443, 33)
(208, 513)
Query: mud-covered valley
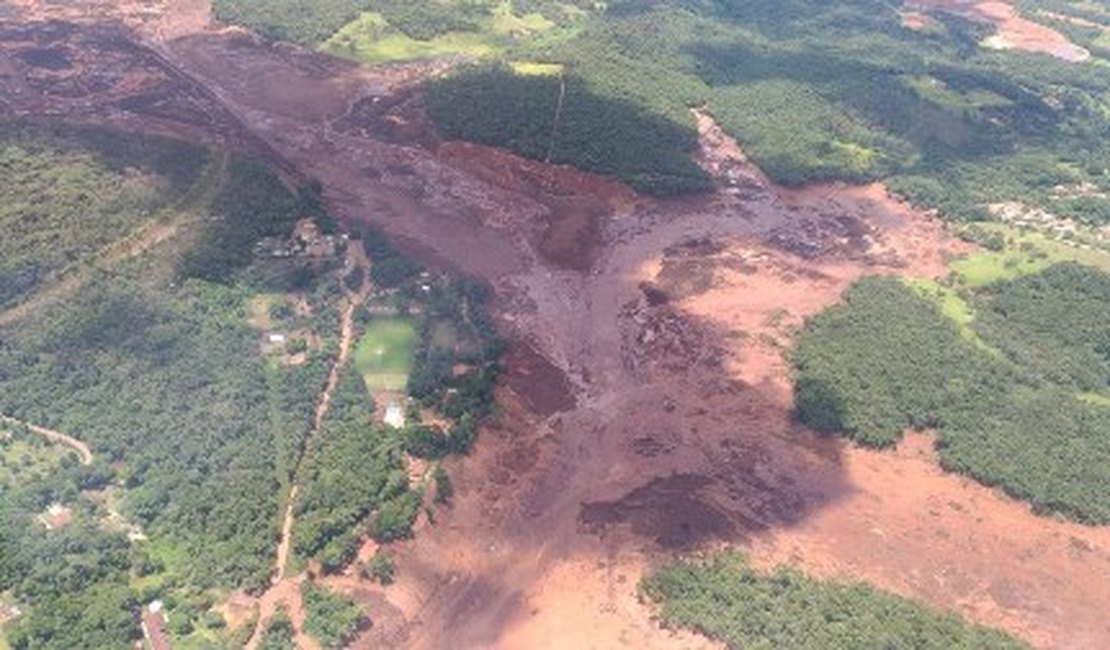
(646, 408)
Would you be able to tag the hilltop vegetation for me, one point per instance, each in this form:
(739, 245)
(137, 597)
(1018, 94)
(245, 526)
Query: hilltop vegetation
(726, 599)
(66, 196)
(564, 120)
(814, 90)
(1008, 401)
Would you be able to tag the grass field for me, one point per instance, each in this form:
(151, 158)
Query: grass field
(384, 354)
(1025, 253)
(371, 37)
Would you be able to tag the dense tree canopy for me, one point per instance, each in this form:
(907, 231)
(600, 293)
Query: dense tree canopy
(1007, 400)
(725, 598)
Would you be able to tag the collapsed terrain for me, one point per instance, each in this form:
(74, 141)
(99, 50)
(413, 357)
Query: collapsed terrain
(647, 404)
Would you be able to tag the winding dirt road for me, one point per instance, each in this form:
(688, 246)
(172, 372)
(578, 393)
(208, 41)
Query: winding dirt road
(56, 437)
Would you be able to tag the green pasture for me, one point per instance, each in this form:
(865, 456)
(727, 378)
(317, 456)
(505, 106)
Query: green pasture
(1027, 252)
(384, 354)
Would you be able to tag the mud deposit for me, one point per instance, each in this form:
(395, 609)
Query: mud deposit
(647, 403)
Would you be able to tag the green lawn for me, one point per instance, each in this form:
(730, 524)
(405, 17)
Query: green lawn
(384, 355)
(1026, 253)
(372, 38)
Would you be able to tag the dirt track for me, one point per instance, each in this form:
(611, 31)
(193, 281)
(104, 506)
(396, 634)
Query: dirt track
(647, 405)
(57, 437)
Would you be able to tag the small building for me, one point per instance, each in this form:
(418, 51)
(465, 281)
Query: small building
(276, 339)
(394, 416)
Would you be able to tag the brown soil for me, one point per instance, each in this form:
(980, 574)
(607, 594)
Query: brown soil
(647, 404)
(1014, 30)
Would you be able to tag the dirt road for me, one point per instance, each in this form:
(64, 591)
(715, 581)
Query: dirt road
(285, 591)
(56, 437)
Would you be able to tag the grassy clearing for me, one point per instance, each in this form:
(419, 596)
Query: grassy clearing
(1026, 253)
(384, 354)
(536, 68)
(373, 38)
(952, 306)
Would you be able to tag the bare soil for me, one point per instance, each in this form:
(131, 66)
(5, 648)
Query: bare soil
(1014, 30)
(647, 405)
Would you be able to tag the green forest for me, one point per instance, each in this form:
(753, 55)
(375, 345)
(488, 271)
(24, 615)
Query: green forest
(156, 367)
(331, 619)
(723, 597)
(1010, 396)
(158, 363)
(813, 90)
(66, 197)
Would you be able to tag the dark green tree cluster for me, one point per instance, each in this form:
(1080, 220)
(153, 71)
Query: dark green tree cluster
(308, 23)
(330, 618)
(424, 20)
(251, 203)
(1056, 324)
(886, 360)
(565, 120)
(65, 196)
(353, 482)
(457, 331)
(725, 598)
(280, 633)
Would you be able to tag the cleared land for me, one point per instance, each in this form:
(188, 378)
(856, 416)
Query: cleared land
(384, 353)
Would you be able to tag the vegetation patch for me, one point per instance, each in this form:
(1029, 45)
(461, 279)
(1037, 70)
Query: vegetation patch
(1012, 253)
(562, 119)
(27, 458)
(1002, 389)
(67, 197)
(384, 354)
(725, 598)
(330, 618)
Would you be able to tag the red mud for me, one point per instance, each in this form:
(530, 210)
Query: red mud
(1014, 30)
